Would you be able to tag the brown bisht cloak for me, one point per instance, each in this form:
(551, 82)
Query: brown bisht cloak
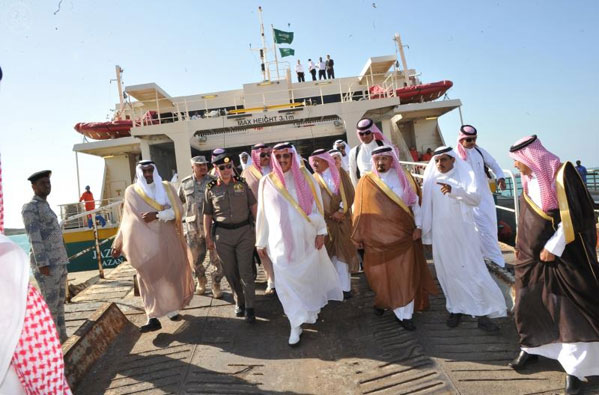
(158, 251)
(252, 176)
(339, 242)
(558, 301)
(394, 263)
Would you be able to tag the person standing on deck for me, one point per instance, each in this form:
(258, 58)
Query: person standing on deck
(557, 275)
(151, 238)
(582, 171)
(191, 193)
(229, 207)
(360, 157)
(261, 167)
(48, 256)
(387, 224)
(299, 69)
(337, 194)
(290, 229)
(485, 213)
(90, 204)
(330, 65)
(312, 69)
(450, 192)
(322, 74)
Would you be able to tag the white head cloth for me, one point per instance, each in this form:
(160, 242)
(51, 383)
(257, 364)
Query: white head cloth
(157, 193)
(14, 280)
(461, 174)
(249, 162)
(344, 159)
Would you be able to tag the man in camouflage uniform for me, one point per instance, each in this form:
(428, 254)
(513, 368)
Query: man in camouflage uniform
(231, 204)
(48, 256)
(191, 193)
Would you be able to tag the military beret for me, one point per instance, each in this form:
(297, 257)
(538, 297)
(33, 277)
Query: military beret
(40, 174)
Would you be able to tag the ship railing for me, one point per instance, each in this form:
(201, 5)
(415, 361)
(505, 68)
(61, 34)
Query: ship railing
(111, 208)
(417, 171)
(74, 215)
(314, 93)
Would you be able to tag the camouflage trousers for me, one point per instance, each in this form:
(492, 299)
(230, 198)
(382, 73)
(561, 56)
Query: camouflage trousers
(53, 288)
(197, 245)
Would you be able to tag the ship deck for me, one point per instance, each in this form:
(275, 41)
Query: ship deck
(349, 350)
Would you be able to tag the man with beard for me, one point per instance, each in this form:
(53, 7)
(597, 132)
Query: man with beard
(557, 275)
(387, 222)
(291, 230)
(337, 197)
(253, 174)
(449, 194)
(360, 156)
(151, 238)
(191, 193)
(485, 214)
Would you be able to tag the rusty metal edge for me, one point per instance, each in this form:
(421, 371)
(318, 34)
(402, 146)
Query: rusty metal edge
(91, 340)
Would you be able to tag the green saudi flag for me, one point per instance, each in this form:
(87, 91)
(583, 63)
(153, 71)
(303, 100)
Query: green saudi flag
(282, 37)
(287, 52)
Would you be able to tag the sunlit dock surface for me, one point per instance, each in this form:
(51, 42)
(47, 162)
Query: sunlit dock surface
(348, 351)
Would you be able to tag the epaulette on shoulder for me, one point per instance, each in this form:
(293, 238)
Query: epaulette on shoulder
(211, 184)
(186, 178)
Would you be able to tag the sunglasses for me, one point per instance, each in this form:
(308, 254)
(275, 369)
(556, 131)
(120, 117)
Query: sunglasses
(223, 167)
(366, 133)
(284, 156)
(265, 154)
(470, 139)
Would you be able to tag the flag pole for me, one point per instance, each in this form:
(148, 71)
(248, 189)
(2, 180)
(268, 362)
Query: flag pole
(265, 70)
(274, 44)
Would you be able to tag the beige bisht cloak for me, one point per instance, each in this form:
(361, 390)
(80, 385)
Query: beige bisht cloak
(394, 263)
(339, 242)
(158, 251)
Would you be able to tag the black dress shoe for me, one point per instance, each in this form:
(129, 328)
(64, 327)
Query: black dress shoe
(486, 324)
(250, 315)
(239, 311)
(522, 359)
(407, 324)
(573, 384)
(176, 317)
(152, 325)
(454, 319)
(347, 295)
(378, 311)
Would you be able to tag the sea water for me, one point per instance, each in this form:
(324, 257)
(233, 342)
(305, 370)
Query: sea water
(21, 240)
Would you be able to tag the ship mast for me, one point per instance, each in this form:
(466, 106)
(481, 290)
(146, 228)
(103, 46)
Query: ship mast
(119, 71)
(404, 64)
(265, 70)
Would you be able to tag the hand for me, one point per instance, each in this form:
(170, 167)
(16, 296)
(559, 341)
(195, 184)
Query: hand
(45, 270)
(149, 217)
(116, 252)
(546, 256)
(262, 253)
(445, 188)
(517, 253)
(209, 243)
(337, 216)
(416, 234)
(501, 184)
(319, 242)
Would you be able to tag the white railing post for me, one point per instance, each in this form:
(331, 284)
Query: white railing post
(515, 193)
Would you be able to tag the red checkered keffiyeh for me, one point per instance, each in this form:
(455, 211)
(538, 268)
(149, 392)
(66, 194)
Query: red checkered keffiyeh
(544, 166)
(38, 358)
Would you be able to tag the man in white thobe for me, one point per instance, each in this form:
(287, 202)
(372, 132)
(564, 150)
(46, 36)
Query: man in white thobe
(360, 156)
(344, 150)
(290, 229)
(485, 213)
(449, 194)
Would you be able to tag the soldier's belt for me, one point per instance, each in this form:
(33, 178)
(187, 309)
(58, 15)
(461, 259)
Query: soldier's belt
(231, 226)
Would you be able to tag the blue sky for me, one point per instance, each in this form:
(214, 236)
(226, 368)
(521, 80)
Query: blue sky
(519, 67)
